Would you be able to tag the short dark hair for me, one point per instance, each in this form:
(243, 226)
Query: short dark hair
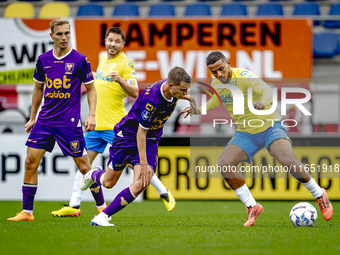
(115, 30)
(215, 56)
(177, 75)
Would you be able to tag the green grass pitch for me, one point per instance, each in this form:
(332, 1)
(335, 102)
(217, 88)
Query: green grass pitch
(194, 227)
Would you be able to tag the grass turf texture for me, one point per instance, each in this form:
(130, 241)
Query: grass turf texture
(194, 227)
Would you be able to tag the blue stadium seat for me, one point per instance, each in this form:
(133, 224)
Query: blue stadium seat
(65, 0)
(90, 10)
(334, 10)
(307, 9)
(234, 10)
(197, 10)
(30, 0)
(100, 1)
(270, 10)
(326, 45)
(162, 10)
(126, 10)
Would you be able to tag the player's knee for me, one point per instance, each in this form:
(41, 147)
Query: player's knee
(108, 184)
(287, 162)
(30, 164)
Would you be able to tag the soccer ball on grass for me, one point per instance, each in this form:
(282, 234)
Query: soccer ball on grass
(303, 215)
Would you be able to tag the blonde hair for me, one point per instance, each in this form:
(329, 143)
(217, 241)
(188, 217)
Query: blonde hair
(58, 22)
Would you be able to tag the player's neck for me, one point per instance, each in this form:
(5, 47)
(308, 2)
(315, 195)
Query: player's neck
(58, 52)
(109, 56)
(230, 74)
(166, 90)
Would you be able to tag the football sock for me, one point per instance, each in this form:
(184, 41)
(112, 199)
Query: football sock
(243, 193)
(28, 194)
(97, 194)
(313, 188)
(77, 192)
(124, 198)
(96, 175)
(156, 182)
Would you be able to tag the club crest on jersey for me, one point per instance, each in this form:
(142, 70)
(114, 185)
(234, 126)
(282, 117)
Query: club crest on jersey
(75, 145)
(112, 66)
(69, 67)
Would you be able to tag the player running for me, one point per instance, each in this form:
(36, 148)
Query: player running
(136, 141)
(248, 140)
(115, 78)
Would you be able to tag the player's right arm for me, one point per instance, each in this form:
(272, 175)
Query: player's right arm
(194, 110)
(37, 97)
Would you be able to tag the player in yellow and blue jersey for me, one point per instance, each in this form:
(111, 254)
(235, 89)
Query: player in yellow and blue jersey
(115, 78)
(249, 139)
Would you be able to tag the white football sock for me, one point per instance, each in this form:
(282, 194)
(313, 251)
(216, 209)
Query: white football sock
(243, 193)
(313, 188)
(161, 189)
(101, 179)
(77, 192)
(28, 211)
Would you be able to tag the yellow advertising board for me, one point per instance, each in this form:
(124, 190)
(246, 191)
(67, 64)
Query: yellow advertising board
(178, 175)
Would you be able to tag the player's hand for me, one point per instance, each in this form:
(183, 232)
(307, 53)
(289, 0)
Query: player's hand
(29, 125)
(90, 123)
(190, 111)
(114, 76)
(258, 105)
(145, 175)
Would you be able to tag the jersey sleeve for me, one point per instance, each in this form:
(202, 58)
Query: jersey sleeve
(129, 74)
(147, 110)
(39, 72)
(258, 85)
(86, 72)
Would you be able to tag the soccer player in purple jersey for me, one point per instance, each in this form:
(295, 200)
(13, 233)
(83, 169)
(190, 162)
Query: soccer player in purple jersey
(116, 79)
(136, 141)
(63, 70)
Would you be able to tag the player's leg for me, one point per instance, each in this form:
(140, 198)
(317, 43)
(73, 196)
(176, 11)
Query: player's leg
(125, 197)
(30, 185)
(282, 150)
(165, 194)
(39, 141)
(73, 207)
(228, 161)
(129, 194)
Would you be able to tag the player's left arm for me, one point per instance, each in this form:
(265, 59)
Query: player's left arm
(146, 171)
(130, 89)
(90, 122)
(262, 88)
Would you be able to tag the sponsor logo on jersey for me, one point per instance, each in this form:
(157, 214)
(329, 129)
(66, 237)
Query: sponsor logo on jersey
(145, 115)
(112, 66)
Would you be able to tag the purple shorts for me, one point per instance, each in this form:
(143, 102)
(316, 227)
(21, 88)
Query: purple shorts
(124, 151)
(70, 139)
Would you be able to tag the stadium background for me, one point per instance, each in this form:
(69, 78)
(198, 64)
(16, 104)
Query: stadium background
(286, 50)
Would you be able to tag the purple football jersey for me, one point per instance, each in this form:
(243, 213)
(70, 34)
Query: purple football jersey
(63, 78)
(151, 110)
